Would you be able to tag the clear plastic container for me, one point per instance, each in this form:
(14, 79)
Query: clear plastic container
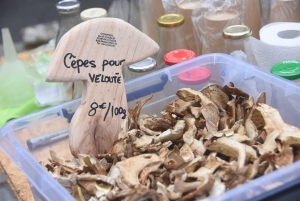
(281, 94)
(279, 11)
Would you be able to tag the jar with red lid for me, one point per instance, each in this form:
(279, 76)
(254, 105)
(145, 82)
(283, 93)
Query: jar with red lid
(177, 56)
(171, 36)
(187, 76)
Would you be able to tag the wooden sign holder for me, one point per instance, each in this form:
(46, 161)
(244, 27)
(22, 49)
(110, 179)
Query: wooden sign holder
(94, 52)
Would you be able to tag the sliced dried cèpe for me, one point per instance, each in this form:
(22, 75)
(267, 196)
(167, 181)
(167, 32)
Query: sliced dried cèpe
(94, 164)
(208, 108)
(173, 159)
(234, 90)
(67, 165)
(179, 107)
(134, 113)
(143, 126)
(143, 141)
(261, 98)
(273, 121)
(269, 145)
(189, 136)
(151, 167)
(216, 93)
(207, 182)
(130, 168)
(233, 148)
(156, 123)
(251, 130)
(186, 153)
(171, 134)
(196, 111)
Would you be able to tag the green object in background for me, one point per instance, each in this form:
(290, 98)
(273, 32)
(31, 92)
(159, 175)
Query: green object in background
(16, 88)
(7, 114)
(287, 69)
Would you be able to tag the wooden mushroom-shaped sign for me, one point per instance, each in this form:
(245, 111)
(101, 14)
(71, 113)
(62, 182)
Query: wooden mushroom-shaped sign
(94, 52)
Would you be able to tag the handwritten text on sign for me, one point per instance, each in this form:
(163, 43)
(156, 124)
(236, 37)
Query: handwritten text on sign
(114, 110)
(72, 62)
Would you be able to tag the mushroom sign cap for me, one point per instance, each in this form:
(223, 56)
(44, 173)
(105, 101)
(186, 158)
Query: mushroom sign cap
(87, 44)
(94, 52)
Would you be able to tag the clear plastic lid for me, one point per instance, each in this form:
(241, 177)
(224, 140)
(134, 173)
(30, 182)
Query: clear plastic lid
(143, 66)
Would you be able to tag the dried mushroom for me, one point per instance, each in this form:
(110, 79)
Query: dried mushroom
(205, 143)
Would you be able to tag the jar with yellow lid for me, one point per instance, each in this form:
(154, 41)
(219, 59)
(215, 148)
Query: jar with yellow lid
(171, 36)
(237, 38)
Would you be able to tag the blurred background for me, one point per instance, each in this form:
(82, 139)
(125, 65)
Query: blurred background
(17, 15)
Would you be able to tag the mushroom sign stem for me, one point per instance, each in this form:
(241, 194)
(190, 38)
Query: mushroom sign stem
(94, 52)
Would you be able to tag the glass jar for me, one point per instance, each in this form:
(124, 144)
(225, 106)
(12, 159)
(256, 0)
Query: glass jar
(287, 69)
(68, 11)
(237, 38)
(139, 69)
(171, 36)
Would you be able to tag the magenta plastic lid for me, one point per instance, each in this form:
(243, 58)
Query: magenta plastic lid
(177, 56)
(197, 75)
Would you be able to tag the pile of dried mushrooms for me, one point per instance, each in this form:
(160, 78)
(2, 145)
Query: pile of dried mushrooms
(205, 143)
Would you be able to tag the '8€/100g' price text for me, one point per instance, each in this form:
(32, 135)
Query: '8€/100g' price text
(109, 109)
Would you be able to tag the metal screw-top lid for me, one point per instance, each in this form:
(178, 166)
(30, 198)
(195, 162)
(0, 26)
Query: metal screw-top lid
(68, 6)
(143, 66)
(170, 20)
(93, 13)
(237, 32)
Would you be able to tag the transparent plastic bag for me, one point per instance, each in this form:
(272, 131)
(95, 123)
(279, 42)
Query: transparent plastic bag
(127, 10)
(119, 9)
(252, 16)
(185, 8)
(279, 11)
(170, 6)
(47, 93)
(211, 18)
(150, 10)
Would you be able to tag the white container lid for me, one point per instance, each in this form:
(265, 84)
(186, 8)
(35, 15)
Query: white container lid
(93, 13)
